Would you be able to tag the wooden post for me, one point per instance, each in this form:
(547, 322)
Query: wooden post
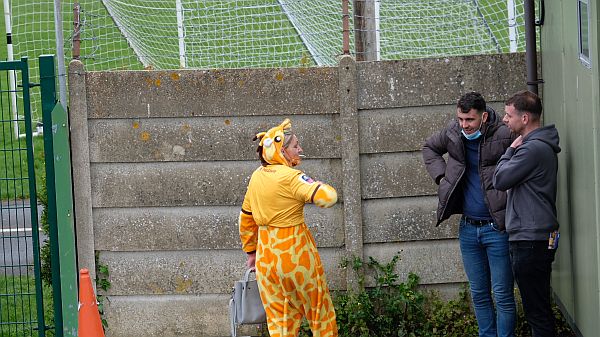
(366, 17)
(76, 52)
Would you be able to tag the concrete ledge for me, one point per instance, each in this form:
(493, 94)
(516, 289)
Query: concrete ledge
(439, 81)
(193, 271)
(401, 129)
(435, 262)
(204, 138)
(187, 184)
(394, 175)
(171, 315)
(228, 92)
(189, 228)
(405, 219)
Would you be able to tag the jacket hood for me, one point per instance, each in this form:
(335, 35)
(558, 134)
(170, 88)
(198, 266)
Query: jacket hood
(547, 134)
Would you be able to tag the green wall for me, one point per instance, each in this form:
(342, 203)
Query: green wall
(570, 96)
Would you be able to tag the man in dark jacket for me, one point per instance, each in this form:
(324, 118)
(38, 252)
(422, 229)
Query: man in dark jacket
(474, 142)
(528, 171)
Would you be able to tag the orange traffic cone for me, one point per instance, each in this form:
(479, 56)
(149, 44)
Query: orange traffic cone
(90, 324)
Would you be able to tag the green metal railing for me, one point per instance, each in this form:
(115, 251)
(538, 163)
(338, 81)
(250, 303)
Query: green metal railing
(27, 307)
(21, 296)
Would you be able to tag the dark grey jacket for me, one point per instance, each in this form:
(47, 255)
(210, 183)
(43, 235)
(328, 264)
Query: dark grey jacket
(496, 138)
(529, 174)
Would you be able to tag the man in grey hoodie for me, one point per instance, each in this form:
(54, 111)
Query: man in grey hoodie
(528, 172)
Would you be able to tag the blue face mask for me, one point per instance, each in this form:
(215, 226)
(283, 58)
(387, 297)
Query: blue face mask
(472, 136)
(475, 134)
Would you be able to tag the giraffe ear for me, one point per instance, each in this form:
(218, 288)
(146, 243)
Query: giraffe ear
(259, 136)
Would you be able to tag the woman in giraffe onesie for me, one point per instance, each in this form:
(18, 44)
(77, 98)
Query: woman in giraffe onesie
(277, 241)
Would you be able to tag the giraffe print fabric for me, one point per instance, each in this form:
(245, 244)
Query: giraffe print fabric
(289, 271)
(292, 282)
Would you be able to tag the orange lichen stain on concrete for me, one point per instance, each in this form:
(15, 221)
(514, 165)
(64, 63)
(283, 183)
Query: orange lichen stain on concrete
(136, 125)
(145, 136)
(182, 285)
(156, 289)
(227, 122)
(185, 127)
(221, 80)
(157, 82)
(175, 76)
(279, 76)
(149, 81)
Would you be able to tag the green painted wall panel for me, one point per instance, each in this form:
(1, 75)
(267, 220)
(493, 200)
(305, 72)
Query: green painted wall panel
(570, 96)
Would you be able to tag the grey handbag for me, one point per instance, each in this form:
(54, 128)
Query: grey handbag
(245, 306)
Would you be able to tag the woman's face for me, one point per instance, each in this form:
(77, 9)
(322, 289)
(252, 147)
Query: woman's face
(293, 151)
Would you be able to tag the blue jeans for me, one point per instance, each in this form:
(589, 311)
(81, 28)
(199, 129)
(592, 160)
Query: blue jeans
(485, 254)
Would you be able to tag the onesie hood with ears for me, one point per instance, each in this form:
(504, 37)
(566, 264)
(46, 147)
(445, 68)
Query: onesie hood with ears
(272, 142)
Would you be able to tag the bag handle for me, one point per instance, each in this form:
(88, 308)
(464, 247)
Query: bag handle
(247, 274)
(232, 313)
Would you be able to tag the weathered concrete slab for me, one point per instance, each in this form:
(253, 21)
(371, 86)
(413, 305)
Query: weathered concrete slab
(439, 81)
(229, 92)
(204, 138)
(393, 175)
(189, 228)
(192, 271)
(204, 315)
(405, 219)
(187, 183)
(435, 262)
(401, 129)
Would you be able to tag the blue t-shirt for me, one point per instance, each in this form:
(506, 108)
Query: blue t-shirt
(473, 203)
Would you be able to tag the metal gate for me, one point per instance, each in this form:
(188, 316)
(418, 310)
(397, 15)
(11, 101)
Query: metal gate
(32, 305)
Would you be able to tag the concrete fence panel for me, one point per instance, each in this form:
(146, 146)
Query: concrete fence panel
(161, 161)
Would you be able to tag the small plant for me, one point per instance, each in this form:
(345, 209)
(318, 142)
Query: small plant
(46, 269)
(390, 308)
(453, 318)
(401, 309)
(102, 283)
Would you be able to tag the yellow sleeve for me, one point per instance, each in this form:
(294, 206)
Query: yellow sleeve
(248, 228)
(311, 191)
(325, 196)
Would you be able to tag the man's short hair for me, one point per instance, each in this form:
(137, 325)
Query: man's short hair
(471, 100)
(526, 101)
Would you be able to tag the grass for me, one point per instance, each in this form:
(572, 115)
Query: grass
(14, 170)
(18, 306)
(254, 33)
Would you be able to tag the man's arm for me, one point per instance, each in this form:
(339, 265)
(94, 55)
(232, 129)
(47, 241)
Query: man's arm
(433, 150)
(514, 167)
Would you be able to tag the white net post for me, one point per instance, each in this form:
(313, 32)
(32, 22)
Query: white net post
(512, 25)
(11, 74)
(180, 33)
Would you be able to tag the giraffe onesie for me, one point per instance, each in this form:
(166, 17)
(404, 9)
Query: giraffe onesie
(288, 267)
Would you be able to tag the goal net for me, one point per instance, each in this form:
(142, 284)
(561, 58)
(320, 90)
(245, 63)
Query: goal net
(171, 34)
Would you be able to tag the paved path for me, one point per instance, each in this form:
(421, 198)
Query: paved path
(16, 252)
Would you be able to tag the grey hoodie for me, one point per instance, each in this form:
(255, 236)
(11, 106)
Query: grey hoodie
(529, 174)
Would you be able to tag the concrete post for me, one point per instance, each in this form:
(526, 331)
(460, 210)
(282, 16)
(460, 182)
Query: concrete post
(82, 190)
(350, 165)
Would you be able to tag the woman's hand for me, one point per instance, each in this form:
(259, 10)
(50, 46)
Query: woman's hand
(251, 261)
